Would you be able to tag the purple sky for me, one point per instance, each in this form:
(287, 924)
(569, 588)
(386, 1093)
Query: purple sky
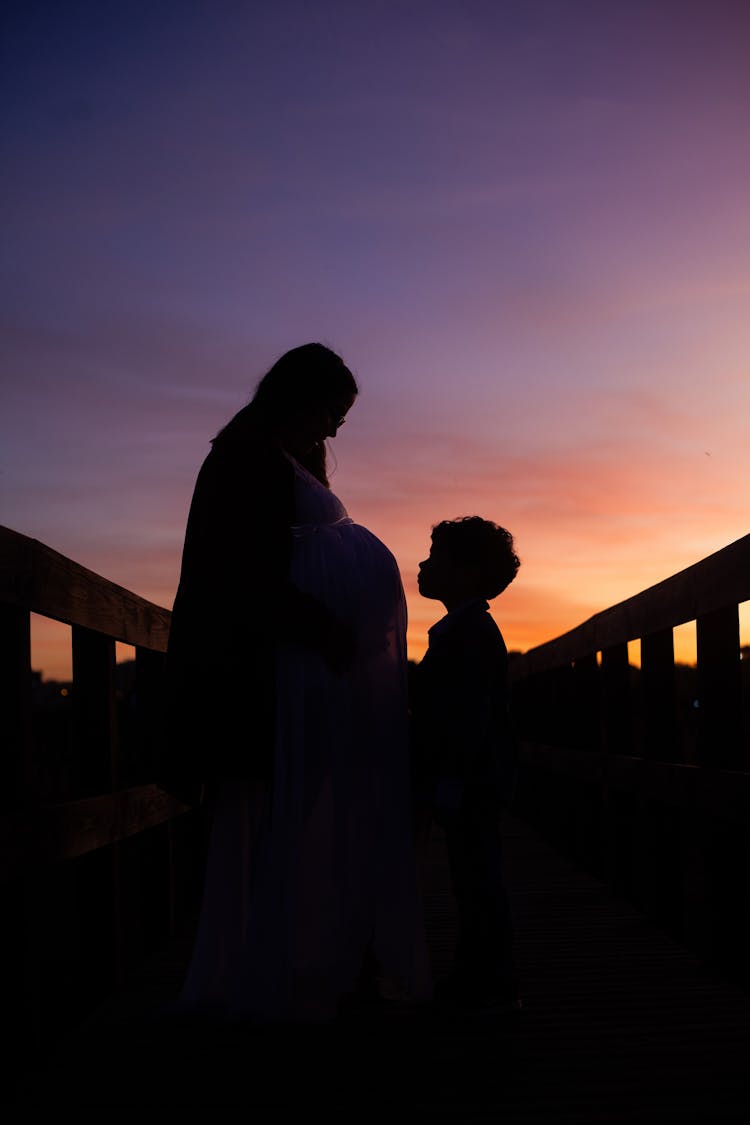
(525, 226)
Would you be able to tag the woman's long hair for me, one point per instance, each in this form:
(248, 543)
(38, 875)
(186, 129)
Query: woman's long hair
(303, 378)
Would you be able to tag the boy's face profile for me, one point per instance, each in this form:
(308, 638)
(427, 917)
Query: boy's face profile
(440, 578)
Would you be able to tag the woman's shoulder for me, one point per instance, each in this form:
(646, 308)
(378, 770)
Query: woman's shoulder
(232, 473)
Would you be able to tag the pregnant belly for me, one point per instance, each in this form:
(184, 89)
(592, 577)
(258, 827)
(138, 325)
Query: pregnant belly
(353, 573)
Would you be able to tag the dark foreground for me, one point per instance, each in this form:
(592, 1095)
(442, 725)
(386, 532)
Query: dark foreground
(619, 1024)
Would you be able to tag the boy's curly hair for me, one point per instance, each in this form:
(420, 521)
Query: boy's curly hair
(481, 543)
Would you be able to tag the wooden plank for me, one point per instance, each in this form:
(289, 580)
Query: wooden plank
(54, 833)
(36, 578)
(619, 1024)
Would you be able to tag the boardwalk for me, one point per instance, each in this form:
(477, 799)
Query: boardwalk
(619, 1025)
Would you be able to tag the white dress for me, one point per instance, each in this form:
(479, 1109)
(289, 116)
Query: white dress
(302, 877)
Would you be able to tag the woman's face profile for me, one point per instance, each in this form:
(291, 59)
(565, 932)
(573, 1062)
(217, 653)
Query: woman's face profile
(316, 423)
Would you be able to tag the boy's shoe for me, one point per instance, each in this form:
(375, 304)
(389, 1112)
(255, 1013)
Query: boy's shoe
(453, 997)
(497, 1008)
(380, 995)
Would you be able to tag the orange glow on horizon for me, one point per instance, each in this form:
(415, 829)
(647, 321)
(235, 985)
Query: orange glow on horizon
(51, 645)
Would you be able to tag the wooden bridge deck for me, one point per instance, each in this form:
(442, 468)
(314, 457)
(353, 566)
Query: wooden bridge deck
(620, 1024)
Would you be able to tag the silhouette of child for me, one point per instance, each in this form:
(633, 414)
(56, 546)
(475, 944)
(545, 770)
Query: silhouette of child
(464, 752)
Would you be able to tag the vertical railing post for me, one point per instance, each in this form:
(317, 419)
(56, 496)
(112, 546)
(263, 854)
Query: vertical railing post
(720, 690)
(97, 741)
(616, 699)
(586, 686)
(95, 713)
(16, 703)
(616, 726)
(720, 746)
(659, 859)
(158, 849)
(659, 730)
(21, 932)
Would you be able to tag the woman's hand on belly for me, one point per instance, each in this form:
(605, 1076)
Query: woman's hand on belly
(339, 646)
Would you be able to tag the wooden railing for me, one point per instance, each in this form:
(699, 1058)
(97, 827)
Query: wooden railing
(642, 774)
(97, 862)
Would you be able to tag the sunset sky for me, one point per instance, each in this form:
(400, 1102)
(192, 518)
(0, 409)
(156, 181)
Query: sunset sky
(525, 225)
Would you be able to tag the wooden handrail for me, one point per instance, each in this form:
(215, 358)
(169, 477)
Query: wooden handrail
(33, 577)
(719, 580)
